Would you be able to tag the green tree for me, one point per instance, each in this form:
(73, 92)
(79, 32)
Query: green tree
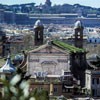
(40, 94)
(18, 88)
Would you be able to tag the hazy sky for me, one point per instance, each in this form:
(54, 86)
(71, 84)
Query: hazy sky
(93, 3)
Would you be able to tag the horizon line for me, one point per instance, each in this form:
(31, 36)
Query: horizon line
(52, 5)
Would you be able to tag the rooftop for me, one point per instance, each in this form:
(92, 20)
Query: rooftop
(66, 46)
(8, 67)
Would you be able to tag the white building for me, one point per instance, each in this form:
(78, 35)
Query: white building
(92, 82)
(48, 60)
(93, 35)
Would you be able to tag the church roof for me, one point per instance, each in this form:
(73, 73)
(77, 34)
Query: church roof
(63, 47)
(68, 47)
(46, 46)
(8, 67)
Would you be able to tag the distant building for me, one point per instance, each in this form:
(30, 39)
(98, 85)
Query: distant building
(54, 88)
(63, 18)
(92, 15)
(9, 17)
(92, 82)
(21, 18)
(1, 15)
(48, 3)
(93, 36)
(94, 40)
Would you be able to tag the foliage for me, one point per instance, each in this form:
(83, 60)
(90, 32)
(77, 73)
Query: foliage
(40, 94)
(17, 88)
(28, 41)
(27, 44)
(68, 47)
(2, 62)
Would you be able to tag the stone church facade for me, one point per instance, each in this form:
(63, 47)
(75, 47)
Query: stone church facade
(48, 60)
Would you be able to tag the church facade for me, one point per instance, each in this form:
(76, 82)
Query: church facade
(49, 68)
(48, 60)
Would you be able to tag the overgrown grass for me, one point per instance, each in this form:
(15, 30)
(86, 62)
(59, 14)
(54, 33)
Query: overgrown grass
(68, 47)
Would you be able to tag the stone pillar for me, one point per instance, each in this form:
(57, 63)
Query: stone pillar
(51, 89)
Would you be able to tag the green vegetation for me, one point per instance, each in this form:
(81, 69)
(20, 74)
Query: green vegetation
(2, 62)
(18, 86)
(40, 94)
(68, 47)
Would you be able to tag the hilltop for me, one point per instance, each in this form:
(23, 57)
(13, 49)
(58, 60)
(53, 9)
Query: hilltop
(55, 9)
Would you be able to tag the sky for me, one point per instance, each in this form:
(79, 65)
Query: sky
(92, 3)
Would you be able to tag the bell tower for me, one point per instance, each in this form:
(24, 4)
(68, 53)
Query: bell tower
(78, 34)
(38, 28)
(78, 59)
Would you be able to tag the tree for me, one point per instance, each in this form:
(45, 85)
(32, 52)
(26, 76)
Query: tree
(18, 88)
(40, 94)
(28, 41)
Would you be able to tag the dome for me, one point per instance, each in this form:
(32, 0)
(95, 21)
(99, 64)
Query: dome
(8, 67)
(38, 23)
(78, 24)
